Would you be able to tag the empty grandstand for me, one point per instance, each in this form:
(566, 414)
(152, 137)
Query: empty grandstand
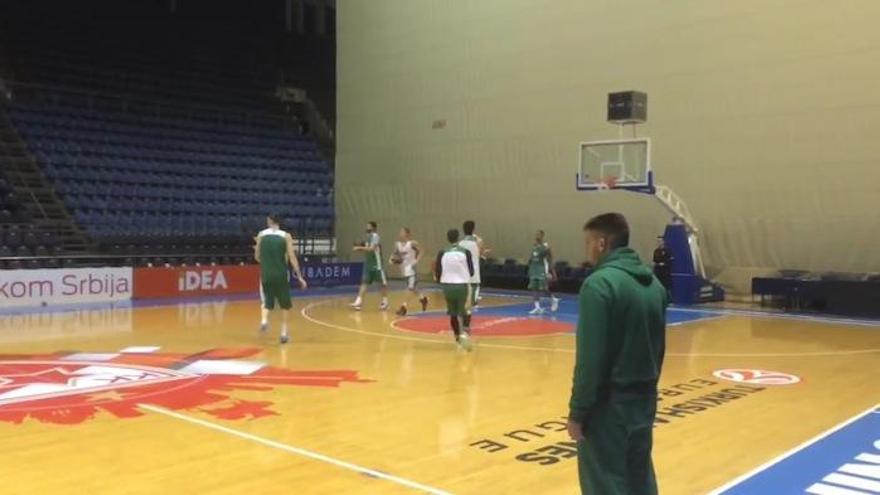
(169, 147)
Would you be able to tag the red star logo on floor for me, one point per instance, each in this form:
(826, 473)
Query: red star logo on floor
(71, 388)
(57, 375)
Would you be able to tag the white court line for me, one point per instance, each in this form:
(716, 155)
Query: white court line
(782, 316)
(298, 451)
(786, 455)
(394, 324)
(396, 336)
(854, 352)
(446, 342)
(747, 312)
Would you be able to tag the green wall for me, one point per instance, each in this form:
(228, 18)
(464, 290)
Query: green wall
(764, 116)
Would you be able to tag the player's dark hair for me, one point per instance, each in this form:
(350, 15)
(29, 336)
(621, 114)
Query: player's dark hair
(611, 225)
(406, 229)
(468, 227)
(373, 225)
(275, 218)
(452, 235)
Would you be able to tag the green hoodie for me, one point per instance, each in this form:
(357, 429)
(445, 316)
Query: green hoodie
(621, 332)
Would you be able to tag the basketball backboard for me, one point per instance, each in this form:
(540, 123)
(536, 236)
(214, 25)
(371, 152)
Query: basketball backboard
(615, 164)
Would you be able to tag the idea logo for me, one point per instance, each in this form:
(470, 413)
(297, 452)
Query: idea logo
(757, 377)
(201, 280)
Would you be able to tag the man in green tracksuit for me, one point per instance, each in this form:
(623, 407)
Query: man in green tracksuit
(621, 336)
(541, 273)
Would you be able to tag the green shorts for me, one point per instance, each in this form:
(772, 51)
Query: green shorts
(275, 289)
(456, 299)
(538, 283)
(371, 276)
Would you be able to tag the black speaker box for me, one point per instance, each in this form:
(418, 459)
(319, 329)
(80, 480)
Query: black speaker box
(627, 107)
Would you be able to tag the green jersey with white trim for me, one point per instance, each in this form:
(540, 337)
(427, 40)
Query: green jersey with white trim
(273, 254)
(373, 257)
(539, 265)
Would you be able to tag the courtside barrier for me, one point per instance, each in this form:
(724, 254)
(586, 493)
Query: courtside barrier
(331, 274)
(151, 283)
(191, 281)
(64, 286)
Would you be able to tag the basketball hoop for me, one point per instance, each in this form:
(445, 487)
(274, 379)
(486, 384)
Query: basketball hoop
(618, 164)
(607, 183)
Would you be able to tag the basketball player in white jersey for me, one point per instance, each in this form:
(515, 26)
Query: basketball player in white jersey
(407, 254)
(454, 269)
(474, 244)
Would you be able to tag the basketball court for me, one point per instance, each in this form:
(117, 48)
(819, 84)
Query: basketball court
(168, 167)
(366, 402)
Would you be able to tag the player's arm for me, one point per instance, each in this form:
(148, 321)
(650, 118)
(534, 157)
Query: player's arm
(365, 247)
(469, 259)
(550, 263)
(417, 249)
(370, 245)
(396, 253)
(294, 262)
(438, 267)
(258, 239)
(482, 248)
(591, 350)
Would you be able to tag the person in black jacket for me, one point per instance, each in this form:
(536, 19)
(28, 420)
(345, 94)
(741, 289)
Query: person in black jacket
(663, 264)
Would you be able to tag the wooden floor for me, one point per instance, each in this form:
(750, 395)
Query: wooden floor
(357, 404)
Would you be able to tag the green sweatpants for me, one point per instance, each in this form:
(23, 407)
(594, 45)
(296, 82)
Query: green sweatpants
(456, 296)
(615, 457)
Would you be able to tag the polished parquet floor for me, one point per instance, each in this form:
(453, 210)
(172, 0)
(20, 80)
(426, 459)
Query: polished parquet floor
(190, 398)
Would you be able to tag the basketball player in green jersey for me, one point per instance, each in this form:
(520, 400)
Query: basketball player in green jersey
(274, 251)
(474, 244)
(373, 271)
(541, 273)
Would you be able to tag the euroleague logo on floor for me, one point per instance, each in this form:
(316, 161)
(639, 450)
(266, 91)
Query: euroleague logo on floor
(71, 388)
(757, 377)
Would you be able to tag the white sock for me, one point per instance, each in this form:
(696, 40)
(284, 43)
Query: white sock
(357, 302)
(264, 321)
(537, 304)
(384, 300)
(284, 329)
